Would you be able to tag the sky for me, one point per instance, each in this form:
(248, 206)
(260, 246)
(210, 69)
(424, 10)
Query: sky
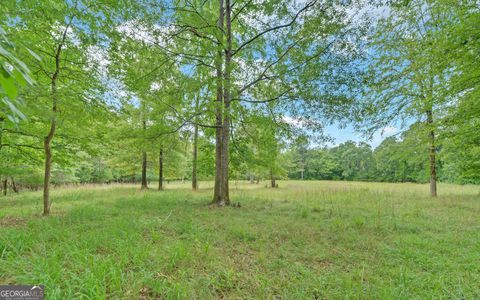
(341, 135)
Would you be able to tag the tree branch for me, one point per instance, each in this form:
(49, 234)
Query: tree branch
(307, 6)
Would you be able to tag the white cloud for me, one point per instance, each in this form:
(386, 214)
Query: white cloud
(299, 122)
(382, 134)
(155, 86)
(98, 58)
(293, 121)
(136, 30)
(71, 36)
(388, 131)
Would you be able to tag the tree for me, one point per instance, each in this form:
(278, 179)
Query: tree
(406, 82)
(300, 157)
(252, 63)
(456, 48)
(355, 161)
(67, 89)
(400, 159)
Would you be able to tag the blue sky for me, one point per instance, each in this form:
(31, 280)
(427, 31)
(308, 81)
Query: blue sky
(341, 135)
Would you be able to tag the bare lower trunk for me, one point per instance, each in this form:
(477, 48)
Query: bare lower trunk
(160, 170)
(5, 187)
(48, 167)
(433, 169)
(195, 147)
(224, 195)
(144, 154)
(187, 138)
(433, 172)
(218, 166)
(194, 162)
(144, 171)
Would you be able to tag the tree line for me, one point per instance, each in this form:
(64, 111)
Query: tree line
(397, 159)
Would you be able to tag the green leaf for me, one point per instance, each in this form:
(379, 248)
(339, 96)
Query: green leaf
(8, 86)
(22, 80)
(4, 71)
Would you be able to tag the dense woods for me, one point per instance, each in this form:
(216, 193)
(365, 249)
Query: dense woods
(155, 91)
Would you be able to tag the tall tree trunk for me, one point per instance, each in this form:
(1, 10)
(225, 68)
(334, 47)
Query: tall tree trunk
(47, 147)
(227, 95)
(217, 194)
(144, 171)
(185, 152)
(144, 154)
(160, 169)
(433, 166)
(53, 127)
(195, 150)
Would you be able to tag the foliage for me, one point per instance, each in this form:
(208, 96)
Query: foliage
(13, 74)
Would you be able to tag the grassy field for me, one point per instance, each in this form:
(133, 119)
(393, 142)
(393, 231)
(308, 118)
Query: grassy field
(305, 240)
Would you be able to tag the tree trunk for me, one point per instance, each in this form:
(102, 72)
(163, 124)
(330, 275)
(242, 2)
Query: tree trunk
(160, 169)
(48, 152)
(2, 120)
(53, 127)
(187, 138)
(5, 186)
(433, 167)
(225, 197)
(217, 194)
(144, 154)
(195, 153)
(14, 186)
(272, 180)
(144, 171)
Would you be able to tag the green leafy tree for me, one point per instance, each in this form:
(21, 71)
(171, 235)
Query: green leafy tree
(406, 82)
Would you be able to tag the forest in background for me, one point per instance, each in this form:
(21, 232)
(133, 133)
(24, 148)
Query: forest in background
(122, 91)
(394, 160)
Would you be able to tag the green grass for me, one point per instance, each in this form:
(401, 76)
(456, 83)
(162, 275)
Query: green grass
(305, 240)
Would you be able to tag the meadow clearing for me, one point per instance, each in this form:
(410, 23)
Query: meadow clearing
(304, 240)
